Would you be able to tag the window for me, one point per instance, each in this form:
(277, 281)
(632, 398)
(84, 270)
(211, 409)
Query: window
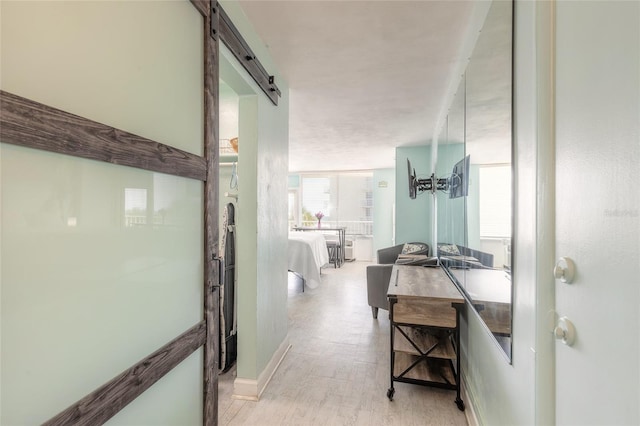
(135, 206)
(316, 197)
(495, 201)
(293, 206)
(345, 199)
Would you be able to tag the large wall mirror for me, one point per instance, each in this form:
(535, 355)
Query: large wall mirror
(474, 154)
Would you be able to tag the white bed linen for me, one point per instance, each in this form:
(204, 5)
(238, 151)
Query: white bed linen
(307, 254)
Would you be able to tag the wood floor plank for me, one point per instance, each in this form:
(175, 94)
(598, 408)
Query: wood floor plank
(337, 371)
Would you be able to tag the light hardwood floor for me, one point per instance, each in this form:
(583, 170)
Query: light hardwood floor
(337, 370)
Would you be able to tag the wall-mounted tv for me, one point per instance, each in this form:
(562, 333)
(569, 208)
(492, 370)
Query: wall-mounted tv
(413, 182)
(459, 180)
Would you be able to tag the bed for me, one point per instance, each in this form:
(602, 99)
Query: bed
(307, 253)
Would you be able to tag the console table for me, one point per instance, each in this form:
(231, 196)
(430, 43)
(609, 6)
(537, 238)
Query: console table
(490, 293)
(424, 311)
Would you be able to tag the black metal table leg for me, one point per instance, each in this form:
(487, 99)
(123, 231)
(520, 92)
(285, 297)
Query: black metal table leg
(459, 401)
(391, 391)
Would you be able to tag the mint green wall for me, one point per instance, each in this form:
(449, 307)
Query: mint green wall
(272, 213)
(247, 232)
(384, 199)
(262, 208)
(414, 218)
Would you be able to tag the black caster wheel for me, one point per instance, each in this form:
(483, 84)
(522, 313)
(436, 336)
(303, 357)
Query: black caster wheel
(460, 404)
(390, 393)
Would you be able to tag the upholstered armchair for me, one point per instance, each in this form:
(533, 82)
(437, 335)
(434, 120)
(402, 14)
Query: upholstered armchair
(378, 275)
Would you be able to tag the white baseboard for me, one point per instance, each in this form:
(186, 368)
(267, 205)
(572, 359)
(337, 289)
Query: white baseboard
(469, 410)
(251, 389)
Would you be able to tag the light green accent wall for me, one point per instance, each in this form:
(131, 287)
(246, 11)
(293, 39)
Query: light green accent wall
(384, 199)
(273, 166)
(262, 209)
(414, 218)
(294, 181)
(247, 249)
(84, 295)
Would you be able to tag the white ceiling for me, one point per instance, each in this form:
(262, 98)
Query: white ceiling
(364, 76)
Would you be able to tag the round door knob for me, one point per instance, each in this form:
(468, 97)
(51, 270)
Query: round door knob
(564, 270)
(565, 331)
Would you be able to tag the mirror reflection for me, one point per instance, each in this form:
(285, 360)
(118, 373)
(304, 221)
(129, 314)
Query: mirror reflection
(474, 214)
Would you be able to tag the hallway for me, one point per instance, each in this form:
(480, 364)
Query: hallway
(337, 370)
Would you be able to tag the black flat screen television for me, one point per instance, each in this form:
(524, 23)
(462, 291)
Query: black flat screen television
(413, 182)
(459, 180)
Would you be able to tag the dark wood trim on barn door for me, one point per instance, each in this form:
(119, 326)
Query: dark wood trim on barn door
(31, 124)
(211, 230)
(106, 401)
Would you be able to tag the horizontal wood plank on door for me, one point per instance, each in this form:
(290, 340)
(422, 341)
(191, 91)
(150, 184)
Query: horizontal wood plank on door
(31, 124)
(106, 401)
